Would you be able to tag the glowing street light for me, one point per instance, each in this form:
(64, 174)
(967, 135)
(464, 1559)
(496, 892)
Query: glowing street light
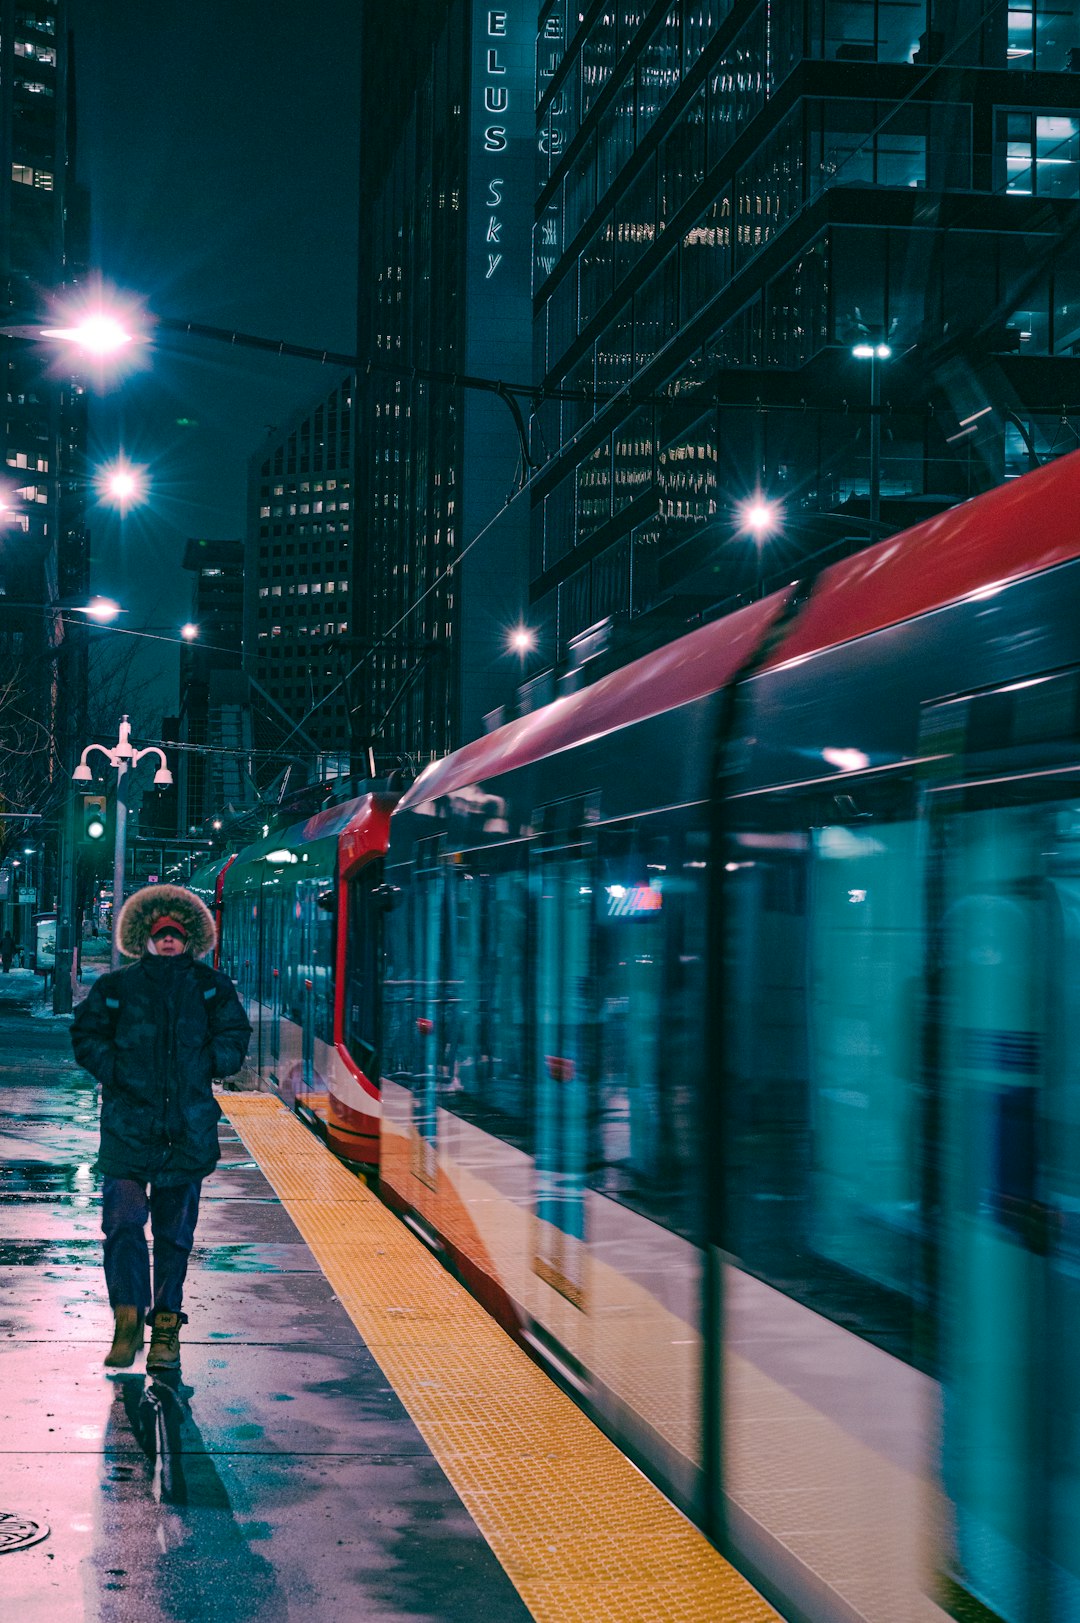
(189, 632)
(98, 334)
(521, 640)
(760, 517)
(122, 483)
(101, 609)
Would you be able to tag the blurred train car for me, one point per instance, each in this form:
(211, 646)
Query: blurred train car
(731, 1049)
(208, 883)
(299, 937)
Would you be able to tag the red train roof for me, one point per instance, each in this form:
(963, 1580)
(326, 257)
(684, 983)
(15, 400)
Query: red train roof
(700, 663)
(1018, 529)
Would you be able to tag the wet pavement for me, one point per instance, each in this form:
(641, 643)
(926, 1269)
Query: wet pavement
(276, 1477)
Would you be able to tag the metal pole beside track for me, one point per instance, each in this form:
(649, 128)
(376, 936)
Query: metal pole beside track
(119, 856)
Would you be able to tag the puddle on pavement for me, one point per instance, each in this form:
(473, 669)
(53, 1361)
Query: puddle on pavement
(44, 1178)
(217, 1259)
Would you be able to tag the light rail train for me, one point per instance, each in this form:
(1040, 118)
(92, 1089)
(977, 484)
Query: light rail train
(720, 1021)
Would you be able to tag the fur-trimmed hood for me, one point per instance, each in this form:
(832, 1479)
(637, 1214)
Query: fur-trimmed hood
(139, 912)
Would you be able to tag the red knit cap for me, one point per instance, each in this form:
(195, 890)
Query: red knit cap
(167, 922)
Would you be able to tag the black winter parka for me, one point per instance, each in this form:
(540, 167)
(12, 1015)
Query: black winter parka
(155, 1034)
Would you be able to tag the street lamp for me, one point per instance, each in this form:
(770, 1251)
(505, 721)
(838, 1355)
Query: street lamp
(759, 518)
(102, 335)
(189, 632)
(875, 354)
(121, 482)
(98, 334)
(124, 757)
(521, 640)
(101, 609)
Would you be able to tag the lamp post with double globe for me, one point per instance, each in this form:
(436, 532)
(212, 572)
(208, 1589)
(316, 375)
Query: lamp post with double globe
(125, 758)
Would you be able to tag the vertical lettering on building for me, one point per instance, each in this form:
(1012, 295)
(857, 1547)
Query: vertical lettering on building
(495, 139)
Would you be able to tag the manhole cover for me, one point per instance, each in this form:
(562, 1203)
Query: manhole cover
(19, 1532)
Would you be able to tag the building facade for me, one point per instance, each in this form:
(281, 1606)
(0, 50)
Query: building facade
(298, 566)
(729, 199)
(733, 195)
(446, 207)
(44, 545)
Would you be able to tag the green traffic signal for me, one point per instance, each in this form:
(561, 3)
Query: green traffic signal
(94, 817)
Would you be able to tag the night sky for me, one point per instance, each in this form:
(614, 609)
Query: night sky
(220, 145)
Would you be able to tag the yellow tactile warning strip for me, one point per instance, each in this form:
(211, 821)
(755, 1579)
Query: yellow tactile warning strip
(582, 1534)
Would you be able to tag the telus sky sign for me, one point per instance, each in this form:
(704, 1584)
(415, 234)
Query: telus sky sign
(500, 192)
(501, 189)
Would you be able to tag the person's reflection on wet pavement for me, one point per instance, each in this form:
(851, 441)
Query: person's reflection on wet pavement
(165, 1507)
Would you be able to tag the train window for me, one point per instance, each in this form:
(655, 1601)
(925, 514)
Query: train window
(562, 882)
(823, 908)
(362, 947)
(485, 985)
(650, 909)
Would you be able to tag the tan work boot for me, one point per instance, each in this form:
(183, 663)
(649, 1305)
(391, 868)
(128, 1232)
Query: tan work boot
(127, 1337)
(164, 1341)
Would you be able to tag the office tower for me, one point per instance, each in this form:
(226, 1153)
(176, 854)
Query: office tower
(297, 573)
(761, 229)
(447, 187)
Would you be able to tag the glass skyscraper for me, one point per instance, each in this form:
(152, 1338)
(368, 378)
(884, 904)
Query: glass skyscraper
(44, 545)
(448, 185)
(731, 197)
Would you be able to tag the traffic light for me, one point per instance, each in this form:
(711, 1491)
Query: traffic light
(93, 818)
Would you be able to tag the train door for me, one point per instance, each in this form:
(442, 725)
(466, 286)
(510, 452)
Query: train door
(562, 881)
(360, 1012)
(429, 1005)
(272, 987)
(1006, 1042)
(255, 965)
(300, 902)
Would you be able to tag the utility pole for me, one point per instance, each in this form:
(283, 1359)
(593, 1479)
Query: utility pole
(64, 971)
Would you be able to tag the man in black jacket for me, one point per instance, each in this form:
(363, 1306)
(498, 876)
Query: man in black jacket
(155, 1034)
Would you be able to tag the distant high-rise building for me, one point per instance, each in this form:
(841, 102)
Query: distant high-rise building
(447, 188)
(44, 547)
(297, 574)
(211, 688)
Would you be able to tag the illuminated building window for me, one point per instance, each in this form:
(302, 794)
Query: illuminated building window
(1038, 154)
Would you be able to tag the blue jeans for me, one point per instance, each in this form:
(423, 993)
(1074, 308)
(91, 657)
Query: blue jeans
(173, 1210)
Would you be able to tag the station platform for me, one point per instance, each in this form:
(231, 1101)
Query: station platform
(350, 1434)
